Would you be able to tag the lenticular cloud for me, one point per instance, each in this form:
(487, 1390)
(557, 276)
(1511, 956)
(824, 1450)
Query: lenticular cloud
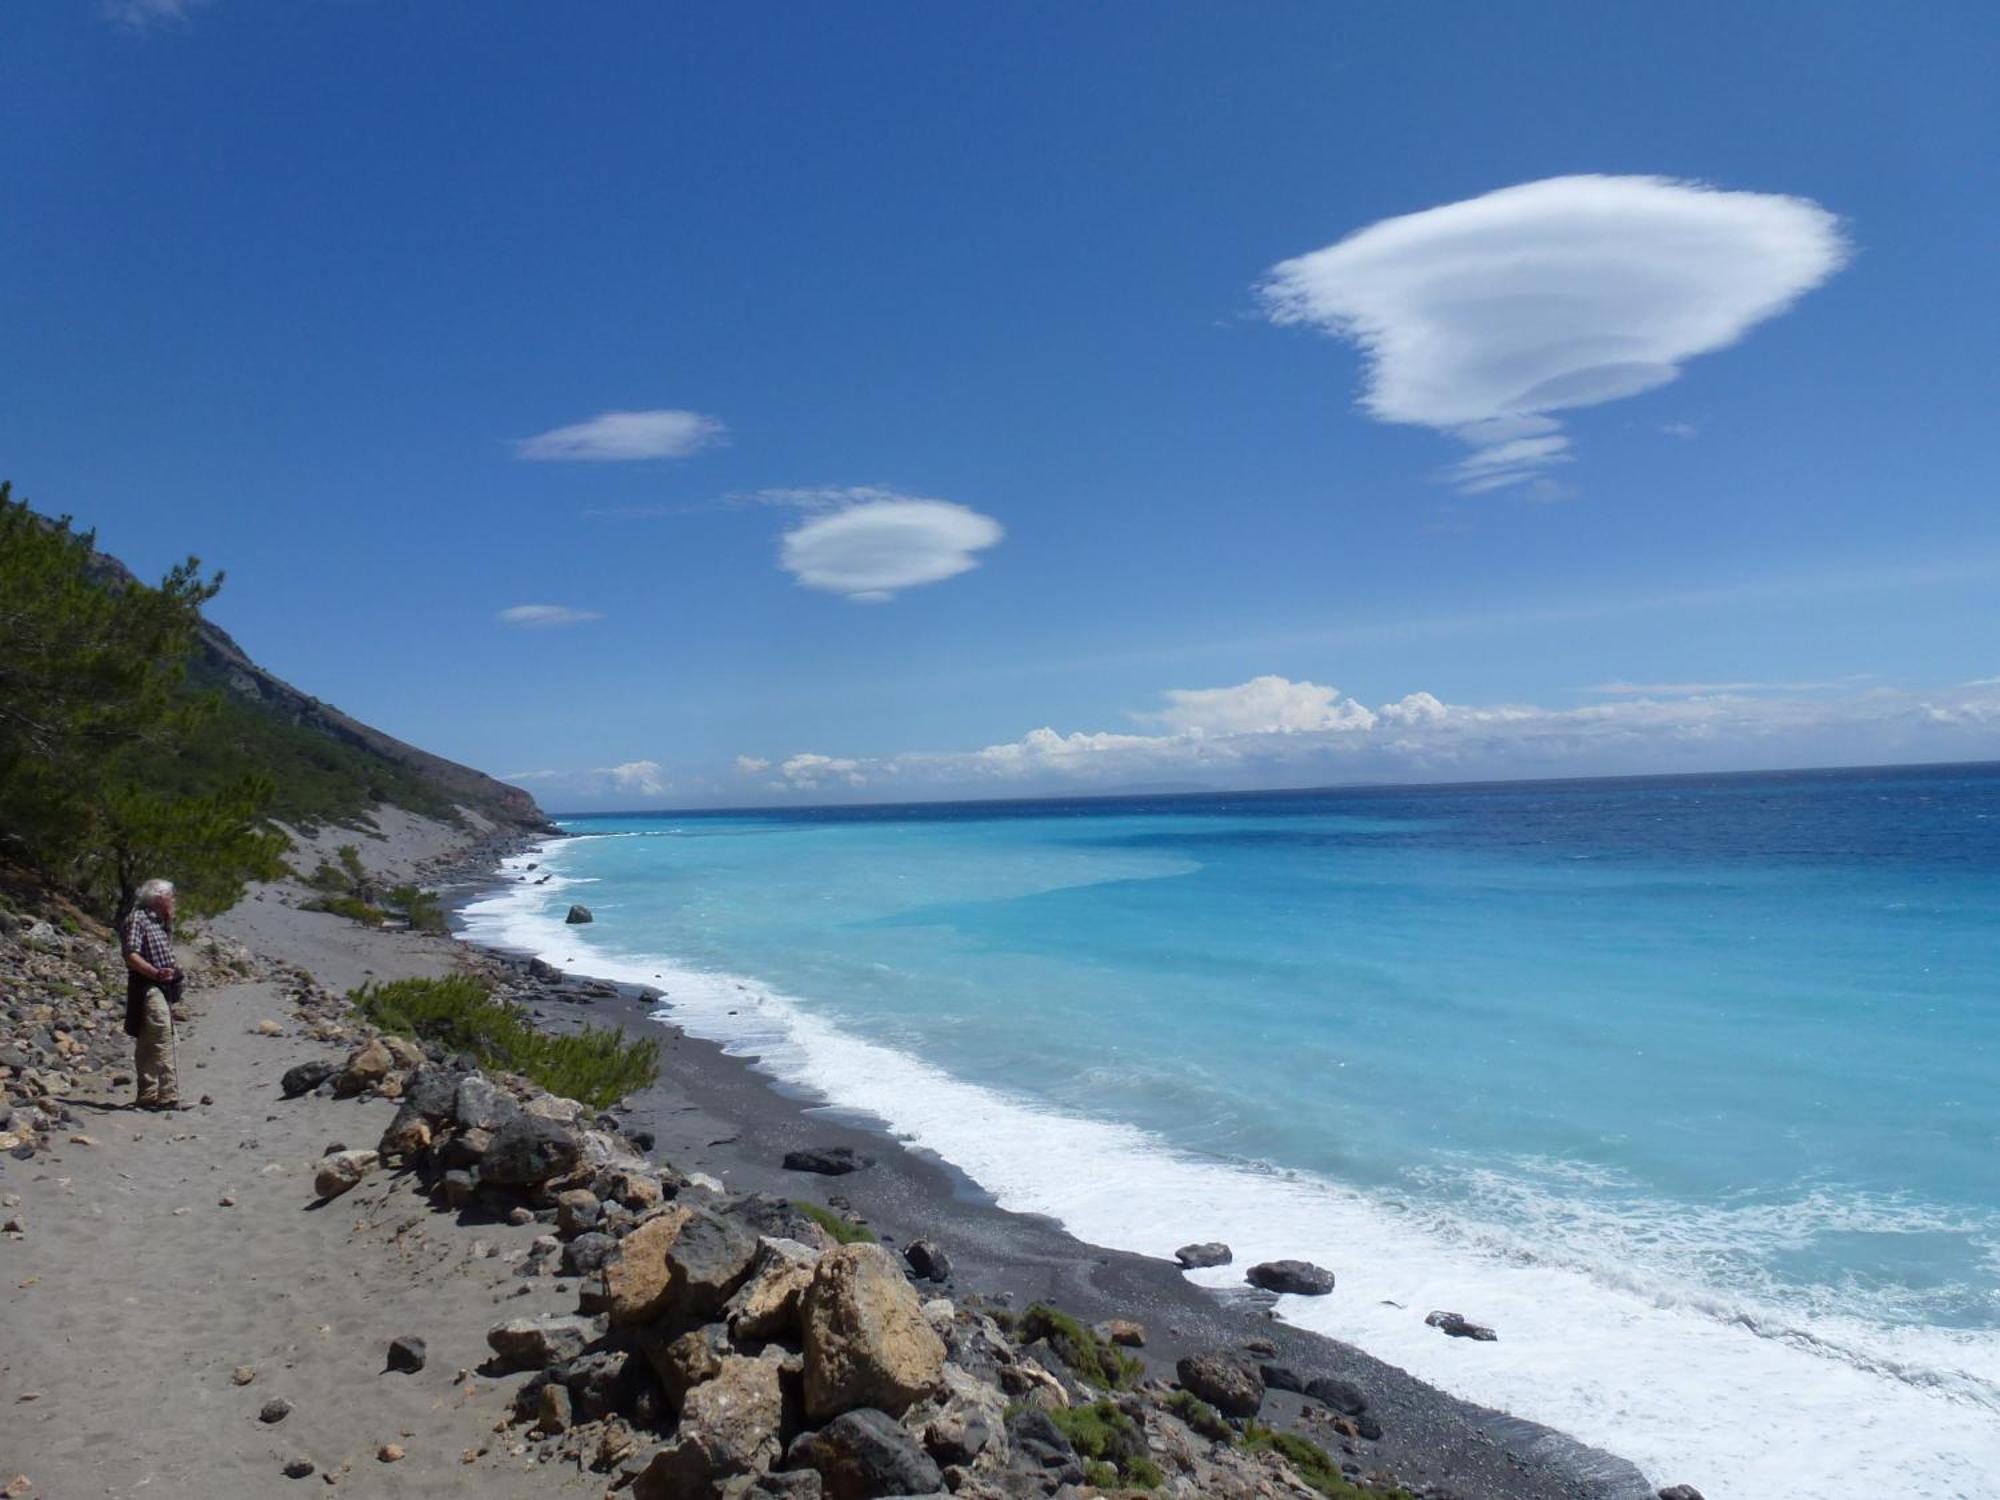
(1481, 318)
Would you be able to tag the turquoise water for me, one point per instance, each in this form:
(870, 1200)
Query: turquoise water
(1688, 1086)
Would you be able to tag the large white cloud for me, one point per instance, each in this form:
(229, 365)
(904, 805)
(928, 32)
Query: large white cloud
(1271, 731)
(1480, 318)
(622, 436)
(870, 550)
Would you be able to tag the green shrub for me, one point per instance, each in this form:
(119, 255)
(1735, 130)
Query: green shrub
(1313, 1464)
(1202, 1417)
(1100, 1475)
(844, 1231)
(420, 908)
(352, 907)
(1103, 1434)
(1091, 1359)
(597, 1066)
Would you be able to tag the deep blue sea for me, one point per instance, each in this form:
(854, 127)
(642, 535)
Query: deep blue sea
(1688, 1086)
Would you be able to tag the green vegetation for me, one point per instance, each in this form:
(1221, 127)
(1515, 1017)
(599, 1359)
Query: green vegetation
(844, 1231)
(598, 1066)
(350, 892)
(1093, 1360)
(1202, 1417)
(1106, 1437)
(1313, 1464)
(97, 791)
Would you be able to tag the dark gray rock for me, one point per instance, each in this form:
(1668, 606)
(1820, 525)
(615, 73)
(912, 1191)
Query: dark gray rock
(528, 1150)
(536, 1343)
(928, 1260)
(1228, 1383)
(545, 971)
(1344, 1396)
(299, 1468)
(578, 915)
(828, 1161)
(864, 1453)
(1298, 1277)
(480, 1104)
(1199, 1257)
(432, 1091)
(275, 1410)
(601, 1383)
(710, 1258)
(307, 1076)
(1040, 1445)
(407, 1354)
(1680, 1492)
(460, 1188)
(1457, 1326)
(587, 1253)
(1282, 1378)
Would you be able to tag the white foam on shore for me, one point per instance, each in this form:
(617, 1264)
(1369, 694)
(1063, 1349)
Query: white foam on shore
(1694, 1386)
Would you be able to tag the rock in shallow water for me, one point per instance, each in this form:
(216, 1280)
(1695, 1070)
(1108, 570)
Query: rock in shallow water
(1459, 1327)
(1199, 1257)
(1296, 1277)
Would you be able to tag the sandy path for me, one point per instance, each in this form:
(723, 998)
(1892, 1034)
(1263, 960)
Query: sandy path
(134, 1294)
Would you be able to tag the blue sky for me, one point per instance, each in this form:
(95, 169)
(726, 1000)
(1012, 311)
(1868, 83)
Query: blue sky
(1220, 395)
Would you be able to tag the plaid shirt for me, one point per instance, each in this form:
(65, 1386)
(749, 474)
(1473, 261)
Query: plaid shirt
(146, 935)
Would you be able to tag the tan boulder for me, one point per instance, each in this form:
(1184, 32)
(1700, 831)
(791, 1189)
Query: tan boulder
(342, 1170)
(366, 1066)
(405, 1053)
(867, 1342)
(728, 1426)
(767, 1305)
(409, 1134)
(636, 1277)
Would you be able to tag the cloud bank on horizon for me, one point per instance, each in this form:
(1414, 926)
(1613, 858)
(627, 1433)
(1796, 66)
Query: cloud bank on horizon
(1484, 317)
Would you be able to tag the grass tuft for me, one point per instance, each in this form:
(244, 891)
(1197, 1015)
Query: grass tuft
(1105, 1436)
(1313, 1464)
(844, 1231)
(1092, 1360)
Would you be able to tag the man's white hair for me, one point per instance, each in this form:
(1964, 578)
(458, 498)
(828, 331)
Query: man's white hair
(154, 890)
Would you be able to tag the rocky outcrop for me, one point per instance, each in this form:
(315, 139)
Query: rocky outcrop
(1199, 1257)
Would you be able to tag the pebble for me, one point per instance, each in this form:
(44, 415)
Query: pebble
(227, 1200)
(15, 1225)
(19, 1485)
(82, 1140)
(275, 1410)
(208, 1099)
(521, 1216)
(407, 1354)
(390, 1453)
(242, 1375)
(299, 1468)
(272, 1028)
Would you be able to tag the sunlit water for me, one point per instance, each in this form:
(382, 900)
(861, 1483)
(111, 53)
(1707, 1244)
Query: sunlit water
(1688, 1087)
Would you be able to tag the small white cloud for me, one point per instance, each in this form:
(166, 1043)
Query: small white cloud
(1263, 705)
(645, 777)
(750, 765)
(1479, 318)
(809, 770)
(140, 14)
(543, 616)
(869, 551)
(620, 436)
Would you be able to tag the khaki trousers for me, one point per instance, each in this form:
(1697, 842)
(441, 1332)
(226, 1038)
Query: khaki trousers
(155, 1060)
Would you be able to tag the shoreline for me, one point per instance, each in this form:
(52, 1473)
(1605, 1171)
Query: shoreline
(725, 1114)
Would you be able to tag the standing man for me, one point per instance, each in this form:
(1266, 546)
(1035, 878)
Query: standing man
(153, 983)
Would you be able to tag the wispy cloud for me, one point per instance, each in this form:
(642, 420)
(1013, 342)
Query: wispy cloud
(141, 14)
(1273, 731)
(1482, 317)
(632, 778)
(624, 436)
(1706, 689)
(544, 616)
(751, 765)
(871, 548)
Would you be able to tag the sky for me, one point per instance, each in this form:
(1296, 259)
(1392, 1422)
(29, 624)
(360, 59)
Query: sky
(741, 404)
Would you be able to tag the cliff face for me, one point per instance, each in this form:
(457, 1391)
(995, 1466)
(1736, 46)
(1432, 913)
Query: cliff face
(222, 664)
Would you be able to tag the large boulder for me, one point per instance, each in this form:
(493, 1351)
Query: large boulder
(535, 1343)
(728, 1426)
(1344, 1396)
(366, 1066)
(481, 1104)
(970, 1420)
(766, 1306)
(341, 1171)
(578, 915)
(1298, 1277)
(681, 1265)
(527, 1151)
(635, 1278)
(408, 1134)
(867, 1342)
(1231, 1385)
(685, 1362)
(307, 1076)
(1199, 1257)
(432, 1091)
(864, 1453)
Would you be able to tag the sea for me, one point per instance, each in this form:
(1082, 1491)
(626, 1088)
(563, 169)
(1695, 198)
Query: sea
(1688, 1087)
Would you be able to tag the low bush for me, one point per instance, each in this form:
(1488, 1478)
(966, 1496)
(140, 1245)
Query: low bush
(844, 1231)
(1105, 1436)
(1314, 1464)
(597, 1066)
(1093, 1360)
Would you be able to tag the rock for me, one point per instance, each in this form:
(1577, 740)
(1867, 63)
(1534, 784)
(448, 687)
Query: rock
(553, 1415)
(685, 1362)
(928, 1260)
(828, 1161)
(341, 1171)
(1680, 1492)
(535, 1343)
(1039, 1442)
(520, 1218)
(545, 971)
(299, 1468)
(599, 1383)
(459, 1189)
(271, 1028)
(432, 1091)
(480, 1104)
(366, 1066)
(275, 1410)
(684, 1263)
(587, 1253)
(227, 1200)
(867, 1342)
(1344, 1396)
(578, 915)
(467, 1148)
(728, 1425)
(242, 1375)
(1298, 1277)
(864, 1453)
(390, 1453)
(406, 1354)
(1281, 1378)
(405, 1053)
(971, 1420)
(766, 1306)
(306, 1077)
(409, 1134)
(1456, 1325)
(43, 937)
(1198, 1257)
(18, 1487)
(1231, 1385)
(527, 1151)
(1122, 1332)
(577, 1210)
